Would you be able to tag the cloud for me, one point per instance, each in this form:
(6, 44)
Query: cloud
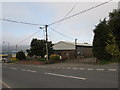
(80, 27)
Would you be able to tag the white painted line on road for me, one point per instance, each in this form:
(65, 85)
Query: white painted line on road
(66, 76)
(12, 68)
(100, 69)
(68, 68)
(112, 69)
(75, 68)
(28, 70)
(23, 69)
(82, 68)
(32, 71)
(5, 84)
(90, 69)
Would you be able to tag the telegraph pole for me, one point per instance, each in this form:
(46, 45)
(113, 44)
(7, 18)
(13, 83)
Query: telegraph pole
(75, 48)
(46, 42)
(16, 48)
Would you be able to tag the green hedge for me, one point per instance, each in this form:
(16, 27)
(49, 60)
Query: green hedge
(54, 57)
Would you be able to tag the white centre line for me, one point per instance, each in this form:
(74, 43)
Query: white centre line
(82, 68)
(12, 68)
(66, 76)
(23, 70)
(89, 69)
(30, 71)
(75, 68)
(112, 69)
(68, 68)
(100, 69)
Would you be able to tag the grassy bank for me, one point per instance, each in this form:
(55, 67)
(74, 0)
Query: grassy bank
(109, 61)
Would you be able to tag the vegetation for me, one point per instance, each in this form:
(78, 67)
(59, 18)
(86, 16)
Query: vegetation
(55, 57)
(20, 55)
(38, 48)
(106, 43)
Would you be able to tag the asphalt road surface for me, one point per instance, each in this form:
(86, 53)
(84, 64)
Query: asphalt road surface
(60, 76)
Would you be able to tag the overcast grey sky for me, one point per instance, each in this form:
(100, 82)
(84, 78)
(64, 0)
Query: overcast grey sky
(80, 27)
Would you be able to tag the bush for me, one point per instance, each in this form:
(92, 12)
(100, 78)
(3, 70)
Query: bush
(20, 55)
(55, 57)
(41, 59)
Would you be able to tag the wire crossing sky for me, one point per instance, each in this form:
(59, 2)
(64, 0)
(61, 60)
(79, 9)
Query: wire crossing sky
(36, 14)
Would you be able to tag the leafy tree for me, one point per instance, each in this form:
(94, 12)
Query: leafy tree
(38, 48)
(100, 39)
(20, 55)
(112, 47)
(106, 41)
(114, 25)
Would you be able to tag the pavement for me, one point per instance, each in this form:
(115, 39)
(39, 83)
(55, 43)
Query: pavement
(60, 75)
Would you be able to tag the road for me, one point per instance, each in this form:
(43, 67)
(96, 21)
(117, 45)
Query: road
(60, 76)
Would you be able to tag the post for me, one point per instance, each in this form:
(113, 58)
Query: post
(16, 48)
(46, 42)
(8, 51)
(75, 48)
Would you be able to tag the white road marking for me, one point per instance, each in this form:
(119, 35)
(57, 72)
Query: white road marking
(89, 69)
(66, 76)
(12, 68)
(68, 68)
(32, 71)
(112, 69)
(82, 68)
(100, 69)
(28, 70)
(23, 69)
(75, 68)
(5, 84)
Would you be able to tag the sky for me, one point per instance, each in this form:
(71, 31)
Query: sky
(80, 27)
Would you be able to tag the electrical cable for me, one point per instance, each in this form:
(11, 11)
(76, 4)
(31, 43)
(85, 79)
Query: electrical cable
(79, 13)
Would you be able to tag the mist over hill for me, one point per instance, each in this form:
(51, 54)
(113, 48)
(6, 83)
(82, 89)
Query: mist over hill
(12, 49)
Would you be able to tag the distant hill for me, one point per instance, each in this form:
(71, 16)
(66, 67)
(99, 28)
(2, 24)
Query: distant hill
(12, 49)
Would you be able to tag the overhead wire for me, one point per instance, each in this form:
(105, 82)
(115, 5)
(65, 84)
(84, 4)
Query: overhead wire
(79, 13)
(65, 17)
(56, 21)
(61, 33)
(28, 37)
(21, 22)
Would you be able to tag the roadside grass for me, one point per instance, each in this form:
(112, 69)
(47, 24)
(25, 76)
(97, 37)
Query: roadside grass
(109, 61)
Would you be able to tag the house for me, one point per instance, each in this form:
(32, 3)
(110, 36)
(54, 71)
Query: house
(70, 50)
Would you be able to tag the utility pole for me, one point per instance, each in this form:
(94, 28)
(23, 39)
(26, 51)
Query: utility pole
(75, 48)
(16, 48)
(46, 42)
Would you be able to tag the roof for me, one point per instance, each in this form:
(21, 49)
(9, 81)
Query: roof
(73, 43)
(62, 45)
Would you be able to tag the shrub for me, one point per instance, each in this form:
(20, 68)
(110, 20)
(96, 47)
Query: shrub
(20, 55)
(41, 59)
(55, 57)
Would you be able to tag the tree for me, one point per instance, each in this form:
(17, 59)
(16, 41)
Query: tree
(112, 47)
(114, 25)
(106, 41)
(100, 39)
(20, 55)
(38, 48)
